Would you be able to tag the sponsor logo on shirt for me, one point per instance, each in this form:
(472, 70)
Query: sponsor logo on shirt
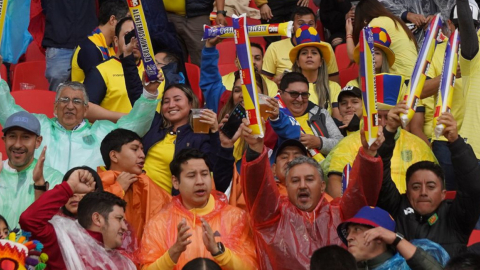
(408, 211)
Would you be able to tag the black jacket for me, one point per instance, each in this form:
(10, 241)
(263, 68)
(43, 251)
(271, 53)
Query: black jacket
(68, 22)
(196, 8)
(453, 221)
(332, 15)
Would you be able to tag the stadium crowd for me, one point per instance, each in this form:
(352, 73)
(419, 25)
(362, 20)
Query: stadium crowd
(132, 173)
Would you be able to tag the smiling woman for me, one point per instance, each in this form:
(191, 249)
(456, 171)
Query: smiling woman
(172, 131)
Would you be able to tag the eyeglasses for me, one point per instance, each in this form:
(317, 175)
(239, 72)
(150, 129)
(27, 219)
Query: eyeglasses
(75, 101)
(295, 94)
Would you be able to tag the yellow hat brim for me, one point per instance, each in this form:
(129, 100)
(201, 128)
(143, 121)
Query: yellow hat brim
(388, 52)
(324, 48)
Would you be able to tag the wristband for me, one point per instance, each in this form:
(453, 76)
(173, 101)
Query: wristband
(41, 188)
(398, 238)
(223, 12)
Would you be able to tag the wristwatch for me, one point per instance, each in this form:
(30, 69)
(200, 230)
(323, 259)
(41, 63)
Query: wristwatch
(42, 188)
(221, 249)
(223, 12)
(398, 238)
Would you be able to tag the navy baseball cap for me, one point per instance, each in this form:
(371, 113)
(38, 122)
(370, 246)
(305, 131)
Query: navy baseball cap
(23, 120)
(291, 142)
(369, 216)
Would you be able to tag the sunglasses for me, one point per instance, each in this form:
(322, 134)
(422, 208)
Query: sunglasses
(295, 94)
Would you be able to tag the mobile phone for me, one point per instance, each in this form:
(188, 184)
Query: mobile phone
(129, 36)
(234, 121)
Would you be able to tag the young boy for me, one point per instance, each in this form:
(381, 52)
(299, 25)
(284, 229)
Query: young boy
(122, 152)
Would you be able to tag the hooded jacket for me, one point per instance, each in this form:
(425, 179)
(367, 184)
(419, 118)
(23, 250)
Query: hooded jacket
(286, 236)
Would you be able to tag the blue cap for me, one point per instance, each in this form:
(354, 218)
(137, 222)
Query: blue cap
(369, 216)
(23, 120)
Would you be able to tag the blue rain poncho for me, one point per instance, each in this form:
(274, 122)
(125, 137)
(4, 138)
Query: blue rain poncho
(66, 148)
(433, 249)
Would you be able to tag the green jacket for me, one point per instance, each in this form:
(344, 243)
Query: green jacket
(67, 149)
(16, 190)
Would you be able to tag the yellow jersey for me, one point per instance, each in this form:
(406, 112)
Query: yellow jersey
(175, 6)
(404, 48)
(409, 149)
(277, 59)
(229, 79)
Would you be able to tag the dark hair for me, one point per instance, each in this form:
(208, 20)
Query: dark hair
(464, 261)
(101, 202)
(192, 99)
(429, 166)
(201, 264)
(114, 142)
(332, 258)
(96, 178)
(5, 221)
(169, 56)
(368, 10)
(183, 156)
(117, 8)
(292, 77)
(258, 46)
(302, 11)
(118, 27)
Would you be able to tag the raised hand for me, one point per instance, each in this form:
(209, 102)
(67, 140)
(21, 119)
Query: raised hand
(38, 178)
(266, 12)
(182, 241)
(226, 142)
(81, 182)
(128, 48)
(255, 143)
(152, 86)
(274, 111)
(372, 150)
(450, 131)
(125, 179)
(379, 233)
(393, 117)
(212, 42)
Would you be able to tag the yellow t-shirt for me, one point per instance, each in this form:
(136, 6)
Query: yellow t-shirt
(302, 120)
(175, 6)
(409, 149)
(277, 59)
(334, 91)
(458, 101)
(471, 122)
(116, 98)
(229, 79)
(157, 162)
(402, 46)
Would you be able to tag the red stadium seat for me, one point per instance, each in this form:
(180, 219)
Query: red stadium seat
(30, 72)
(34, 53)
(227, 52)
(227, 68)
(474, 237)
(36, 101)
(3, 72)
(347, 75)
(193, 73)
(347, 71)
(343, 62)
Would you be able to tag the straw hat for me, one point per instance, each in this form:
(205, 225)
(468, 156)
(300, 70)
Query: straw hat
(381, 40)
(307, 36)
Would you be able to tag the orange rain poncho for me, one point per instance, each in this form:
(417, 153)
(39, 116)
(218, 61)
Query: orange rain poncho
(285, 236)
(144, 198)
(231, 223)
